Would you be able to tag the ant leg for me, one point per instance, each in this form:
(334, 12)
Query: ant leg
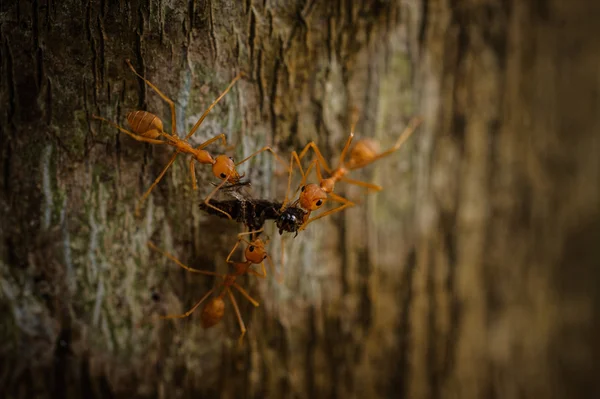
(345, 150)
(212, 140)
(317, 153)
(263, 272)
(345, 204)
(266, 148)
(189, 312)
(251, 232)
(271, 265)
(197, 125)
(317, 165)
(162, 95)
(178, 262)
(147, 193)
(413, 124)
(369, 186)
(238, 315)
(237, 244)
(318, 171)
(193, 174)
(213, 192)
(245, 294)
(130, 134)
(314, 162)
(293, 157)
(245, 241)
(347, 146)
(279, 276)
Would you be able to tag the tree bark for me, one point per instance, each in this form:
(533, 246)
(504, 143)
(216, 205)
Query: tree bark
(474, 274)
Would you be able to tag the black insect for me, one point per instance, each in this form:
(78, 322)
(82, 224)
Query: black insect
(254, 213)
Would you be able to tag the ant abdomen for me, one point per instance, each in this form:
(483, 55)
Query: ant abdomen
(213, 312)
(145, 124)
(363, 151)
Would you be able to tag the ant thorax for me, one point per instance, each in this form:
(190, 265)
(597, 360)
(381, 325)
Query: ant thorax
(239, 268)
(203, 157)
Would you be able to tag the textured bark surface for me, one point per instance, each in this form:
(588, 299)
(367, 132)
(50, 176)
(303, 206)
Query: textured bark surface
(474, 274)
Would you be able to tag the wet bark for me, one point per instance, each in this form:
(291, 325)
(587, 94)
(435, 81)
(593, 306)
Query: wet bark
(473, 274)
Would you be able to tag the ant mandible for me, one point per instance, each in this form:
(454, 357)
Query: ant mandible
(148, 128)
(214, 309)
(313, 196)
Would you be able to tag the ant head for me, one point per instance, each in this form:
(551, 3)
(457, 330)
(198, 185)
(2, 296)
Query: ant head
(213, 312)
(290, 220)
(255, 252)
(312, 197)
(363, 151)
(223, 167)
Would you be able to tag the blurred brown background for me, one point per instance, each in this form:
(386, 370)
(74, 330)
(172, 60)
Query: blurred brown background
(474, 274)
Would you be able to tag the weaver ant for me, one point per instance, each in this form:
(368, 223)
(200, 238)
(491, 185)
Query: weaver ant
(148, 128)
(214, 309)
(364, 152)
(255, 252)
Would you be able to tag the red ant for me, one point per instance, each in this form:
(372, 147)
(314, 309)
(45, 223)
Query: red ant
(364, 152)
(214, 309)
(255, 252)
(148, 128)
